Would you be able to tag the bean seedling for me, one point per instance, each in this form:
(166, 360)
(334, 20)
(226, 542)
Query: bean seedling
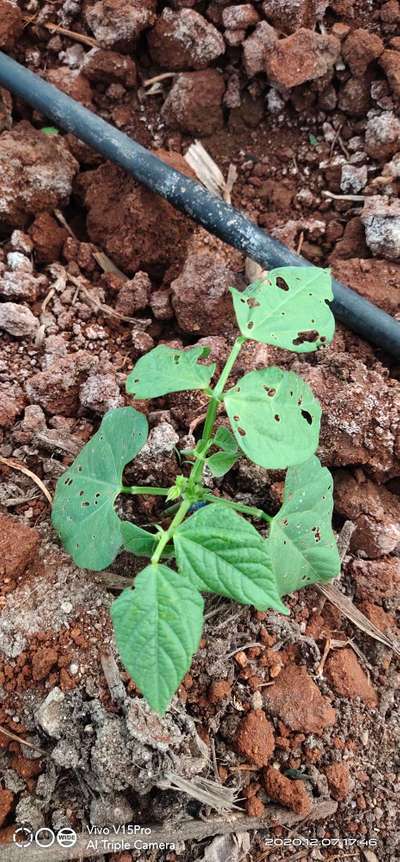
(211, 548)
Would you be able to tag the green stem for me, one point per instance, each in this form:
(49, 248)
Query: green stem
(144, 489)
(237, 346)
(167, 535)
(211, 416)
(247, 510)
(197, 469)
(198, 466)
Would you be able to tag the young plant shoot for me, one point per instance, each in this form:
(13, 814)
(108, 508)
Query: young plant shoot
(213, 548)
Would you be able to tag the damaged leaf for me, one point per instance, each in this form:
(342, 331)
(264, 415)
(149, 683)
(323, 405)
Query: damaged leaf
(83, 510)
(274, 416)
(288, 308)
(165, 369)
(301, 542)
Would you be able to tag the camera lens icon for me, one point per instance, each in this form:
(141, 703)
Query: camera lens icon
(44, 837)
(66, 837)
(23, 837)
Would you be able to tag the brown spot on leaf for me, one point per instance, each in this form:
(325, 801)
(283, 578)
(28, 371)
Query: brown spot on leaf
(281, 283)
(306, 336)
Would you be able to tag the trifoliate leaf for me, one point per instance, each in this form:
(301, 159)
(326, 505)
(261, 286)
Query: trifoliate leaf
(288, 308)
(301, 540)
(83, 510)
(165, 369)
(274, 416)
(219, 552)
(157, 628)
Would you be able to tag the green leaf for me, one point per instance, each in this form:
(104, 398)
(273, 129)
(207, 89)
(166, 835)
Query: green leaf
(157, 628)
(165, 369)
(274, 416)
(138, 541)
(220, 552)
(221, 462)
(301, 541)
(50, 130)
(225, 440)
(289, 308)
(83, 510)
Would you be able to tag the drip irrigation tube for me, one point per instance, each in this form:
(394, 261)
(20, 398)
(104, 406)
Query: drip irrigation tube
(190, 197)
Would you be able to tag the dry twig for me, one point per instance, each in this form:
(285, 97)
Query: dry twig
(344, 539)
(113, 678)
(356, 616)
(245, 646)
(76, 37)
(300, 243)
(102, 307)
(59, 216)
(107, 265)
(16, 738)
(9, 462)
(208, 172)
(187, 830)
(157, 78)
(207, 792)
(47, 299)
(335, 138)
(11, 502)
(334, 197)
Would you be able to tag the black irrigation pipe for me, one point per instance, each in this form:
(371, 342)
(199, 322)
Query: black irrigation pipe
(190, 197)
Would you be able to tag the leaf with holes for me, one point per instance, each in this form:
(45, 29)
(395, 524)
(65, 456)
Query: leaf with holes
(219, 552)
(301, 541)
(274, 416)
(221, 462)
(83, 510)
(158, 628)
(288, 308)
(164, 370)
(225, 440)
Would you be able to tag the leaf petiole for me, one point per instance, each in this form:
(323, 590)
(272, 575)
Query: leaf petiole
(145, 489)
(167, 535)
(237, 346)
(239, 507)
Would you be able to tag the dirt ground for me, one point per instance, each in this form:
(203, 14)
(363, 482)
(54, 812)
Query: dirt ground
(302, 98)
